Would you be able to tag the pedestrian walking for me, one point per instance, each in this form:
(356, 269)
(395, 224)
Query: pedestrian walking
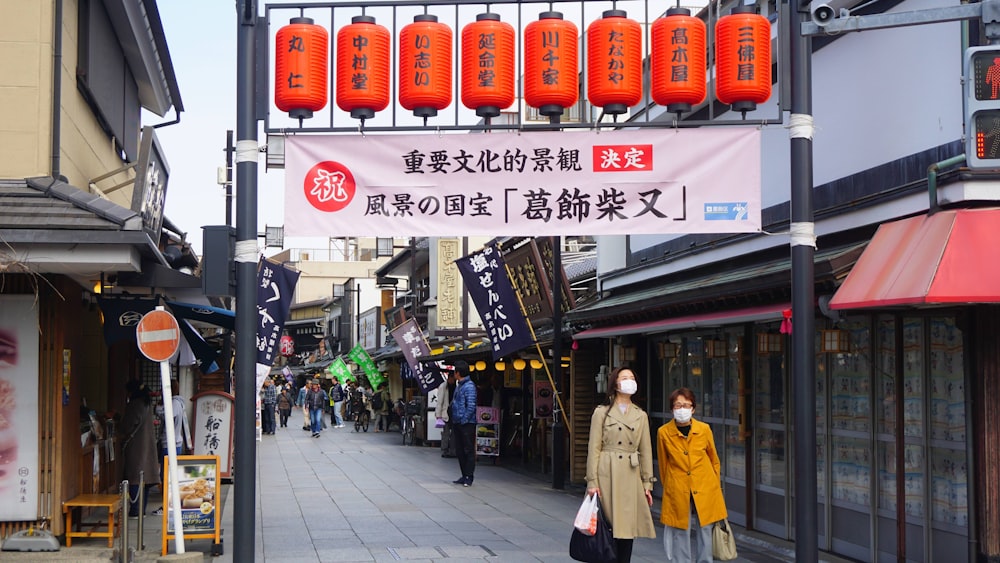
(620, 463)
(689, 463)
(315, 399)
(301, 402)
(381, 403)
(444, 393)
(269, 402)
(284, 407)
(141, 461)
(337, 399)
(463, 419)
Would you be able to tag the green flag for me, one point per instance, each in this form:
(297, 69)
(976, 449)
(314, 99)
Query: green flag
(361, 357)
(339, 370)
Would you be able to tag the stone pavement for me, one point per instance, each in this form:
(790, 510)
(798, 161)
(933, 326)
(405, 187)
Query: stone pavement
(348, 496)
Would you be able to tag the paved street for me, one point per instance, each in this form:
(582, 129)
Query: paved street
(348, 496)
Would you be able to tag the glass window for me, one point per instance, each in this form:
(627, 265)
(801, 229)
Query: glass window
(913, 370)
(887, 476)
(771, 458)
(735, 466)
(851, 470)
(885, 366)
(947, 373)
(849, 379)
(735, 360)
(913, 463)
(769, 391)
(949, 487)
(715, 399)
(694, 358)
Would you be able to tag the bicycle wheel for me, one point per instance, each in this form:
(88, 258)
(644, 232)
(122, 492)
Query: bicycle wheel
(407, 432)
(365, 419)
(357, 422)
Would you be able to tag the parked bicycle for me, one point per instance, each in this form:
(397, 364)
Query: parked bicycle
(410, 420)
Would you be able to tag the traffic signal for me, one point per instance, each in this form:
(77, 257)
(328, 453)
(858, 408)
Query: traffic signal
(982, 106)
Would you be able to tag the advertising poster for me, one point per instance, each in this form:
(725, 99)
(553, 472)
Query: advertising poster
(18, 408)
(543, 399)
(198, 481)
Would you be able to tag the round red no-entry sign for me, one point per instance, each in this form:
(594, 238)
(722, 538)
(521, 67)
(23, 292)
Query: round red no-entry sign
(158, 335)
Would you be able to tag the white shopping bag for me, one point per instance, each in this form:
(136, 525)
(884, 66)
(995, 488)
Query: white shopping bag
(586, 517)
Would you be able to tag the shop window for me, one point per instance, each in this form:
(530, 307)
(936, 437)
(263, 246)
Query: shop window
(769, 388)
(105, 81)
(913, 375)
(850, 376)
(947, 373)
(771, 459)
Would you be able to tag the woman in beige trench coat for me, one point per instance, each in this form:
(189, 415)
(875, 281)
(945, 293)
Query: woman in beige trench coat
(690, 473)
(620, 463)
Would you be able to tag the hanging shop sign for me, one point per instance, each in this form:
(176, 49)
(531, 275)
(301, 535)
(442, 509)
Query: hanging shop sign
(488, 65)
(743, 62)
(614, 63)
(300, 69)
(363, 67)
(545, 183)
(551, 52)
(677, 61)
(425, 66)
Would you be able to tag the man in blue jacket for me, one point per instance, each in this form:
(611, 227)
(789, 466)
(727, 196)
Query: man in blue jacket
(463, 420)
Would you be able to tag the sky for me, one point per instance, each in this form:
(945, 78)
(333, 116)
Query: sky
(202, 38)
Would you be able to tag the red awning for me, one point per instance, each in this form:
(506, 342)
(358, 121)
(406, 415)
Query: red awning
(751, 314)
(948, 257)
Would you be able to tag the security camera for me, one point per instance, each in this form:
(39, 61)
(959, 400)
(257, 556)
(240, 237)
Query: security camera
(825, 11)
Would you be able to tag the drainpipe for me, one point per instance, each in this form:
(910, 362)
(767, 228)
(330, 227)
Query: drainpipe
(56, 86)
(932, 174)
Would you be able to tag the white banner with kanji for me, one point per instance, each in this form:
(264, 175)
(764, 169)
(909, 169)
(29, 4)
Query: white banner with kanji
(543, 183)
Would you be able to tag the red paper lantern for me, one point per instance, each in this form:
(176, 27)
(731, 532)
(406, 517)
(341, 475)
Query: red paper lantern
(286, 346)
(614, 62)
(363, 67)
(425, 66)
(743, 59)
(488, 65)
(300, 79)
(677, 60)
(551, 53)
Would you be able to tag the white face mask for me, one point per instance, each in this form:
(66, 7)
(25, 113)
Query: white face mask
(683, 415)
(628, 386)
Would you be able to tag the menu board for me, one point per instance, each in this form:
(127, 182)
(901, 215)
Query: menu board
(198, 486)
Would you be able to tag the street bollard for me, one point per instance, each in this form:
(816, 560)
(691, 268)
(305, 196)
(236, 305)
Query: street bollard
(139, 545)
(123, 520)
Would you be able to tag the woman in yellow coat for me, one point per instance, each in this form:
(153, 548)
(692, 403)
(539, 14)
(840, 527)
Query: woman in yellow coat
(620, 463)
(690, 472)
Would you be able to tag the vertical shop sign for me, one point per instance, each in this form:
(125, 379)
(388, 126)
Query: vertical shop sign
(485, 275)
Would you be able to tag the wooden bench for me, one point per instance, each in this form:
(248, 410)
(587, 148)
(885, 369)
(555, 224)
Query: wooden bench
(112, 503)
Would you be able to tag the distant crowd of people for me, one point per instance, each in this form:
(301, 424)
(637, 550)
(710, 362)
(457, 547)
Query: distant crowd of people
(339, 401)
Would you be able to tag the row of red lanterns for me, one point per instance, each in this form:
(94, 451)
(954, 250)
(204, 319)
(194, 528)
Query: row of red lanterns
(614, 65)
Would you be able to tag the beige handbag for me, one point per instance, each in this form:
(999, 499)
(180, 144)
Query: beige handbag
(723, 541)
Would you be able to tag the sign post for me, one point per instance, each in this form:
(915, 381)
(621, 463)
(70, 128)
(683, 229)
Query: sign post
(158, 336)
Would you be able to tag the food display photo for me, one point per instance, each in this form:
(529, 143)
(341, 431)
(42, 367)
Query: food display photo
(198, 488)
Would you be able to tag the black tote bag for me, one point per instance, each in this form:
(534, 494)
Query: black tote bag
(598, 548)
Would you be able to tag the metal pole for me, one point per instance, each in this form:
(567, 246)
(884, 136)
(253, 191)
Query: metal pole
(558, 428)
(227, 335)
(245, 455)
(803, 304)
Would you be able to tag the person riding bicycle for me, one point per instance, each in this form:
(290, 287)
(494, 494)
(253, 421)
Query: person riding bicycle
(359, 401)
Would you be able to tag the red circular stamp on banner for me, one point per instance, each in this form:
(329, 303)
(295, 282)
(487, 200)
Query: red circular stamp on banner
(329, 186)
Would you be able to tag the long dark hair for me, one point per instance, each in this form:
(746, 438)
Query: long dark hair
(613, 382)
